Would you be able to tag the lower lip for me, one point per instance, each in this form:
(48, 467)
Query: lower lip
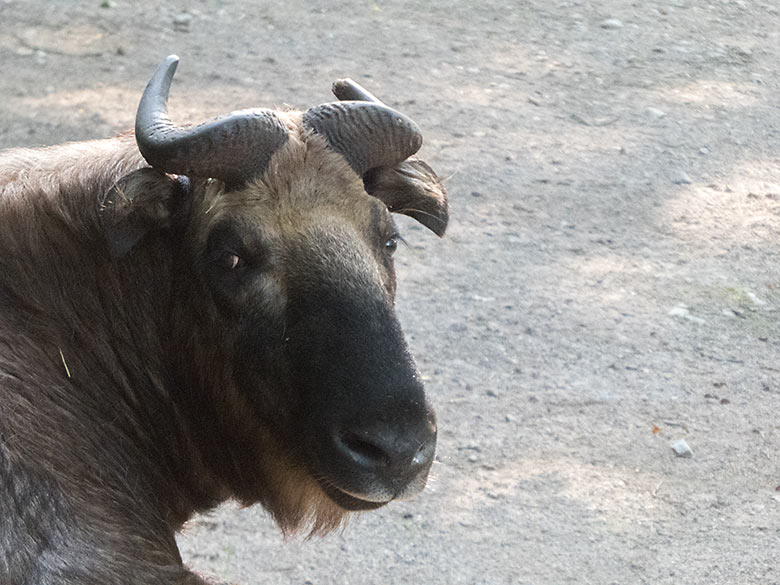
(350, 502)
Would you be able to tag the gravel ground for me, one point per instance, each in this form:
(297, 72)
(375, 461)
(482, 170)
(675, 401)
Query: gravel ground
(610, 284)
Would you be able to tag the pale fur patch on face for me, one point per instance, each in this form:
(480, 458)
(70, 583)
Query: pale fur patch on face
(321, 201)
(308, 194)
(302, 177)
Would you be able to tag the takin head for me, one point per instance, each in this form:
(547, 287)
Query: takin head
(291, 362)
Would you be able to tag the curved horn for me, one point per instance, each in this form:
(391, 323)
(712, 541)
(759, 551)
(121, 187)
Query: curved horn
(233, 148)
(410, 187)
(348, 89)
(367, 134)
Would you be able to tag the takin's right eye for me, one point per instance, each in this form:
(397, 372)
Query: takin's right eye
(228, 260)
(226, 249)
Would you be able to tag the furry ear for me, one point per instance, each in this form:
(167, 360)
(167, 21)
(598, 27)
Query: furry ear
(411, 188)
(137, 204)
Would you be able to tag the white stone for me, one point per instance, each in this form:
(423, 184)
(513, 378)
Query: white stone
(681, 448)
(655, 113)
(611, 24)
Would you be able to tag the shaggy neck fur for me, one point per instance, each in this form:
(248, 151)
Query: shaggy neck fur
(76, 322)
(147, 423)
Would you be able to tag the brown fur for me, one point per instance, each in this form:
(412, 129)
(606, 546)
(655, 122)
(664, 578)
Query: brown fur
(120, 414)
(85, 422)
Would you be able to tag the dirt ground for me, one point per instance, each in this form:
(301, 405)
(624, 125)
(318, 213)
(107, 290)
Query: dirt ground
(610, 282)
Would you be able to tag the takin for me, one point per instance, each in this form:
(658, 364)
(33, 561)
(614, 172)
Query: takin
(190, 314)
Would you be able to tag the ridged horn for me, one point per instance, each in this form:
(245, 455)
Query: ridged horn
(233, 148)
(367, 134)
(411, 187)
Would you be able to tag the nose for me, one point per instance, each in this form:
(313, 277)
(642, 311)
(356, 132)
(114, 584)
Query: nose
(397, 453)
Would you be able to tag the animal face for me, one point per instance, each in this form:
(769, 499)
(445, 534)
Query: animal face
(300, 270)
(285, 317)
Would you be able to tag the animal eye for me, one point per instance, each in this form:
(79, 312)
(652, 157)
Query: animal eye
(391, 245)
(229, 260)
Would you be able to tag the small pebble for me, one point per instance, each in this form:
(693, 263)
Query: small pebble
(679, 310)
(682, 310)
(655, 113)
(680, 177)
(681, 448)
(611, 24)
(181, 22)
(756, 301)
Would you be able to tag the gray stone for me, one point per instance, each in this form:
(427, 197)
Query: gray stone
(182, 22)
(681, 448)
(680, 177)
(655, 113)
(611, 24)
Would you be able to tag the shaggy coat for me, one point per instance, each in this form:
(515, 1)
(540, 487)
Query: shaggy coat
(167, 343)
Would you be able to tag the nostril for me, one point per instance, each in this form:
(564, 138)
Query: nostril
(425, 453)
(387, 449)
(366, 451)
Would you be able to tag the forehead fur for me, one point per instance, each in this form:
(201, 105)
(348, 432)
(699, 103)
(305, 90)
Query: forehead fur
(304, 178)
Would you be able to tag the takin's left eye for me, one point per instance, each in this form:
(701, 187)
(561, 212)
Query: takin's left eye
(391, 245)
